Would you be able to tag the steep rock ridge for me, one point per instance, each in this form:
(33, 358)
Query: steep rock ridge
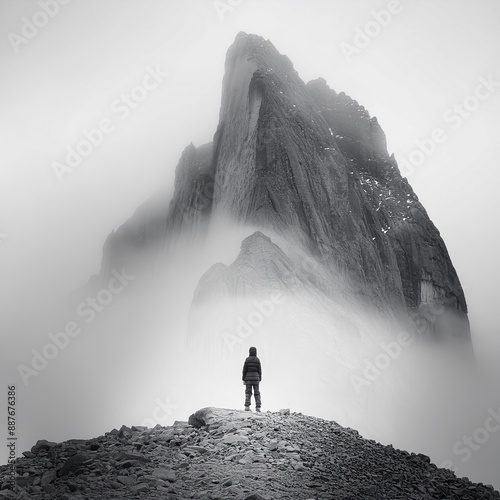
(226, 454)
(134, 245)
(260, 267)
(423, 263)
(193, 194)
(299, 179)
(141, 242)
(289, 304)
(315, 167)
(282, 178)
(262, 273)
(312, 166)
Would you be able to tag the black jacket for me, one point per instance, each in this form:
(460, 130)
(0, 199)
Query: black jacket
(252, 371)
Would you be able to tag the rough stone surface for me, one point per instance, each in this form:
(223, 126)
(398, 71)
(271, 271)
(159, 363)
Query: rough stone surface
(279, 455)
(42, 444)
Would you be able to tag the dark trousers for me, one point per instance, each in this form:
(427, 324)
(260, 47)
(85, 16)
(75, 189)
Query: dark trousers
(256, 393)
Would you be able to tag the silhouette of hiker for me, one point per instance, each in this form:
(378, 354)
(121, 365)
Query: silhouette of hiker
(252, 376)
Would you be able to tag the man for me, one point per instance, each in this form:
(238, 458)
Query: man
(252, 375)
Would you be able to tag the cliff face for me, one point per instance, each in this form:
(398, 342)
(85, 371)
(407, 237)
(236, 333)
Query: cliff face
(423, 263)
(309, 166)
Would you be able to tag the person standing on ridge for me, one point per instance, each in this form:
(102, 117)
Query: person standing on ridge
(252, 376)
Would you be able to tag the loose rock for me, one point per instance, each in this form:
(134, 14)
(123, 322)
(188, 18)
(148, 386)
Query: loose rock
(268, 456)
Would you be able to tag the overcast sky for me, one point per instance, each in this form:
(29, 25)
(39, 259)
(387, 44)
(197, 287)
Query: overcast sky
(429, 65)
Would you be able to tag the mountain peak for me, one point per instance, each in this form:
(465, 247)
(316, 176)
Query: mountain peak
(321, 88)
(251, 45)
(244, 38)
(311, 166)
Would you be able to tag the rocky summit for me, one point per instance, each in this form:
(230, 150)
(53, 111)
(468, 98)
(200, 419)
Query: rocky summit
(221, 453)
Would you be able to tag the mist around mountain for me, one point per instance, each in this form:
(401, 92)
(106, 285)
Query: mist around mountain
(294, 231)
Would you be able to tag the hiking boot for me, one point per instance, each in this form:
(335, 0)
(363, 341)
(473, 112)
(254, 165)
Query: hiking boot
(257, 410)
(247, 408)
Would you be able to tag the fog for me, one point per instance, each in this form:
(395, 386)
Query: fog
(121, 369)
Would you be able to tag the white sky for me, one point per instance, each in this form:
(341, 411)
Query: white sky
(66, 78)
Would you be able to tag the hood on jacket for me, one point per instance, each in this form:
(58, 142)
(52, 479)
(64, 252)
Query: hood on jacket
(252, 351)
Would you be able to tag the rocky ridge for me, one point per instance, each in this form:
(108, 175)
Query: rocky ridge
(232, 454)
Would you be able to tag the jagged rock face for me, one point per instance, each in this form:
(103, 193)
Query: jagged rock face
(221, 453)
(313, 163)
(280, 175)
(317, 301)
(423, 263)
(260, 267)
(291, 176)
(194, 185)
(310, 165)
(135, 244)
(141, 241)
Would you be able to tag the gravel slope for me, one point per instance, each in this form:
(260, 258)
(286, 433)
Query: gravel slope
(233, 454)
